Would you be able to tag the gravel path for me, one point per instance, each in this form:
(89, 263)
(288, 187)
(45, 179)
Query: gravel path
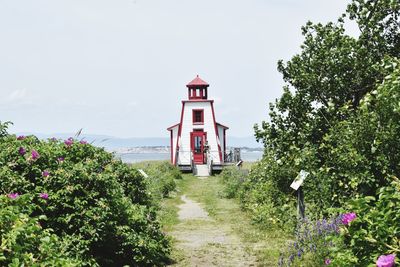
(191, 210)
(206, 242)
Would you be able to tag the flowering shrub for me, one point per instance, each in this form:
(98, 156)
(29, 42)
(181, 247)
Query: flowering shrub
(314, 243)
(81, 194)
(376, 231)
(386, 261)
(368, 236)
(24, 242)
(348, 218)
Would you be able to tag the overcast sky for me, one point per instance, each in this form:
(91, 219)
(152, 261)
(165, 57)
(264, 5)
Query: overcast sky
(119, 67)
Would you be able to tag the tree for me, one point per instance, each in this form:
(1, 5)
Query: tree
(316, 124)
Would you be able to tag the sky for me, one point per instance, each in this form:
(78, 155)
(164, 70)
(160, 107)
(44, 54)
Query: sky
(119, 67)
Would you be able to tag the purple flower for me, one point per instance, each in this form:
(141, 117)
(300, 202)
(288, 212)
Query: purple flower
(13, 195)
(35, 154)
(327, 261)
(348, 217)
(299, 253)
(386, 260)
(22, 151)
(53, 139)
(44, 195)
(60, 159)
(291, 258)
(83, 142)
(45, 173)
(21, 137)
(69, 142)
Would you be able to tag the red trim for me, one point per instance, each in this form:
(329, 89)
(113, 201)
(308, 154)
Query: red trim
(198, 100)
(224, 142)
(172, 138)
(172, 127)
(216, 131)
(172, 150)
(198, 158)
(192, 93)
(223, 126)
(194, 116)
(179, 130)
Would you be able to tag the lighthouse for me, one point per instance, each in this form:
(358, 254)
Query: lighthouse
(198, 140)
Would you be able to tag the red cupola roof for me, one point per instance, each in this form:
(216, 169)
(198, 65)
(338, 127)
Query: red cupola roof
(197, 82)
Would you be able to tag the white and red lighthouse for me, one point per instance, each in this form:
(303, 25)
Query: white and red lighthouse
(198, 138)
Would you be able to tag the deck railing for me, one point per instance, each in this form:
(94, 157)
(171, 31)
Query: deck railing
(211, 157)
(232, 155)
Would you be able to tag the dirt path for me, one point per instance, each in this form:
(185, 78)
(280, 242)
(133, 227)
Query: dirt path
(205, 240)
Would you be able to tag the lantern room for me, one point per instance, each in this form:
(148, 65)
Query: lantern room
(197, 89)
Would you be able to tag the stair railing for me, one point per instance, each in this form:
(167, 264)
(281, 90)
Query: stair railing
(209, 162)
(194, 168)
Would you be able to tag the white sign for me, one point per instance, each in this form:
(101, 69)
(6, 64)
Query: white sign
(143, 173)
(298, 181)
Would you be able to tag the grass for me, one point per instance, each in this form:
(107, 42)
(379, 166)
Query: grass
(264, 244)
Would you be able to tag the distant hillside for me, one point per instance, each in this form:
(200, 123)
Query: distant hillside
(112, 143)
(249, 141)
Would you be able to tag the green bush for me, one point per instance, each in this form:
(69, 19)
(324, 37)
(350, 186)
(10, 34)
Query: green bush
(233, 180)
(375, 231)
(260, 194)
(24, 242)
(100, 204)
(161, 180)
(338, 116)
(372, 231)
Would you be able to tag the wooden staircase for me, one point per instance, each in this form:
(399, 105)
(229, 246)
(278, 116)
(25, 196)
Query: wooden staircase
(202, 170)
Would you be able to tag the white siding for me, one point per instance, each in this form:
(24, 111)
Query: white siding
(187, 128)
(174, 140)
(221, 140)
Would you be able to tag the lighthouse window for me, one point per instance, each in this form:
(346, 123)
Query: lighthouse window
(198, 116)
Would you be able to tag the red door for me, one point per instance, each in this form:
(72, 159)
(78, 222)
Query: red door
(198, 139)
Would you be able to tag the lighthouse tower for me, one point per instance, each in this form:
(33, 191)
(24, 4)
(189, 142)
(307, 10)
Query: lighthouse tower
(198, 139)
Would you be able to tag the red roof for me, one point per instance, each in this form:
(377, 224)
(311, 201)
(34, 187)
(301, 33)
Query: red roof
(173, 126)
(196, 82)
(223, 126)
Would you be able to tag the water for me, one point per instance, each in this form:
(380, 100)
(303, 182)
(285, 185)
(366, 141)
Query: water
(252, 156)
(138, 157)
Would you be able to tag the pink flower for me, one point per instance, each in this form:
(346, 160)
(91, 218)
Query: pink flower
(69, 142)
(60, 159)
(45, 173)
(327, 261)
(44, 195)
(21, 151)
(13, 195)
(35, 154)
(348, 217)
(21, 137)
(386, 260)
(83, 142)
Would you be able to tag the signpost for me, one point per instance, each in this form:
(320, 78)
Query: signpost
(143, 173)
(296, 185)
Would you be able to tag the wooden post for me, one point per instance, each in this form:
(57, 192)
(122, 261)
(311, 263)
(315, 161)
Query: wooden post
(297, 185)
(300, 203)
